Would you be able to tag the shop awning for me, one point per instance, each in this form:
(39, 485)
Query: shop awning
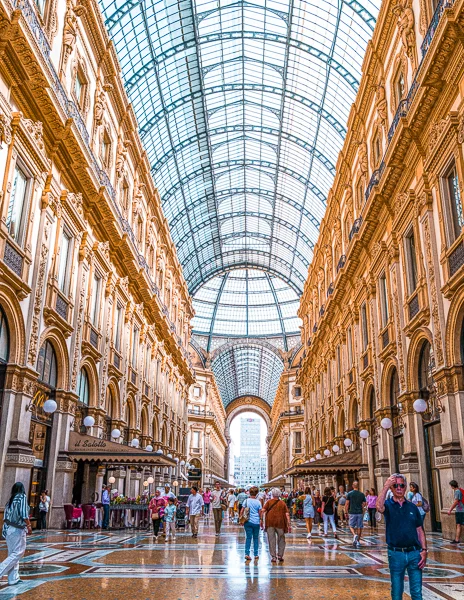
(339, 463)
(277, 482)
(86, 447)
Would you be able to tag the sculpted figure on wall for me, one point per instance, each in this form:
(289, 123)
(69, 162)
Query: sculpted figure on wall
(363, 161)
(405, 16)
(381, 103)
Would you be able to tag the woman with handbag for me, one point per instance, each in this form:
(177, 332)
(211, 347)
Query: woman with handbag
(317, 503)
(276, 520)
(16, 525)
(308, 510)
(328, 504)
(250, 519)
(157, 506)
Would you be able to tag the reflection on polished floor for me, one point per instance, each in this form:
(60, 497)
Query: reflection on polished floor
(130, 565)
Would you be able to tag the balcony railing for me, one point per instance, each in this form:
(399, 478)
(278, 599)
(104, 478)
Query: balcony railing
(434, 24)
(292, 413)
(201, 413)
(405, 105)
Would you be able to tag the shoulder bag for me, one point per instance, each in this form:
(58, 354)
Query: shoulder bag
(245, 515)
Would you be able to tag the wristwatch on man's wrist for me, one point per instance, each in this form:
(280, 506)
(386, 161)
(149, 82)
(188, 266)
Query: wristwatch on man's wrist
(424, 550)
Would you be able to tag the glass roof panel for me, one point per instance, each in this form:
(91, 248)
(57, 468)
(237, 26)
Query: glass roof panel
(242, 108)
(242, 94)
(247, 370)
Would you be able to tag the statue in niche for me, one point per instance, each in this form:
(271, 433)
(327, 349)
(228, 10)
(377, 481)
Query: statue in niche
(405, 16)
(363, 162)
(121, 157)
(381, 102)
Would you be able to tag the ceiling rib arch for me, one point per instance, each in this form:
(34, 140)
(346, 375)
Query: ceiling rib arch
(240, 112)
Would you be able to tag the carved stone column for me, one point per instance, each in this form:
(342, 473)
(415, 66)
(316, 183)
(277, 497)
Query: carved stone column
(14, 429)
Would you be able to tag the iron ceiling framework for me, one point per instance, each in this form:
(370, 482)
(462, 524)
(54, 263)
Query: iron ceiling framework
(242, 95)
(247, 370)
(242, 107)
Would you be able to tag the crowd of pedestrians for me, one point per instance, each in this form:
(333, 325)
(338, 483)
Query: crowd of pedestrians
(402, 508)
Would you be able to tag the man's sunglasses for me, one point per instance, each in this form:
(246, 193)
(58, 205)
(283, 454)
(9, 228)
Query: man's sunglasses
(399, 485)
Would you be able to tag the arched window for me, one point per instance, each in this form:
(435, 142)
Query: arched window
(83, 388)
(425, 378)
(46, 365)
(372, 406)
(4, 338)
(394, 388)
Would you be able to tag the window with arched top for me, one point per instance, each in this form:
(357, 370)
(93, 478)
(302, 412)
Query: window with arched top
(425, 378)
(4, 338)
(394, 388)
(83, 387)
(47, 365)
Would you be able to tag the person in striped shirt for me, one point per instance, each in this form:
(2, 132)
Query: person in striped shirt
(16, 525)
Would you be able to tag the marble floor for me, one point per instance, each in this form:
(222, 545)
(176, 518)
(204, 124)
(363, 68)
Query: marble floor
(95, 565)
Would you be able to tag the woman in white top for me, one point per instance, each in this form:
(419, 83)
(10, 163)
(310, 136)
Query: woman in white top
(231, 500)
(44, 507)
(252, 524)
(417, 498)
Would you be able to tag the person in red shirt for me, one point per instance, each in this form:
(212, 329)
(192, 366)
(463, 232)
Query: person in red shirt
(157, 506)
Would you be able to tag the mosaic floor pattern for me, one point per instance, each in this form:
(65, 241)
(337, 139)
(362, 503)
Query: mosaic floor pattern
(94, 565)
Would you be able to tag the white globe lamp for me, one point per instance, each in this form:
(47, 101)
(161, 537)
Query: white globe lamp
(149, 448)
(150, 479)
(111, 479)
(318, 456)
(135, 443)
(348, 443)
(364, 434)
(116, 434)
(89, 421)
(386, 423)
(420, 405)
(312, 459)
(326, 452)
(49, 406)
(336, 448)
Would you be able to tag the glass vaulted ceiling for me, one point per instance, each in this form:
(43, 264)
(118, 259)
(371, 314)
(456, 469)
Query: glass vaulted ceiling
(246, 303)
(242, 108)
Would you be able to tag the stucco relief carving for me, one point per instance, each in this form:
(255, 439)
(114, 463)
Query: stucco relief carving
(374, 349)
(35, 129)
(70, 30)
(461, 130)
(437, 342)
(405, 15)
(363, 159)
(381, 104)
(399, 339)
(121, 157)
(78, 337)
(37, 309)
(435, 133)
(5, 130)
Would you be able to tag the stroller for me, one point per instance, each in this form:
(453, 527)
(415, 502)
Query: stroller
(180, 515)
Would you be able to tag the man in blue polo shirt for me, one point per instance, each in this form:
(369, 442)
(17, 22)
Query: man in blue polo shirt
(407, 546)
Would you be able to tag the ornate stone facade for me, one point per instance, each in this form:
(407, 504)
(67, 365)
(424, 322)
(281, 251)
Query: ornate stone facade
(392, 328)
(86, 316)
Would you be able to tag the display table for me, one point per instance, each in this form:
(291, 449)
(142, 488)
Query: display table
(129, 515)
